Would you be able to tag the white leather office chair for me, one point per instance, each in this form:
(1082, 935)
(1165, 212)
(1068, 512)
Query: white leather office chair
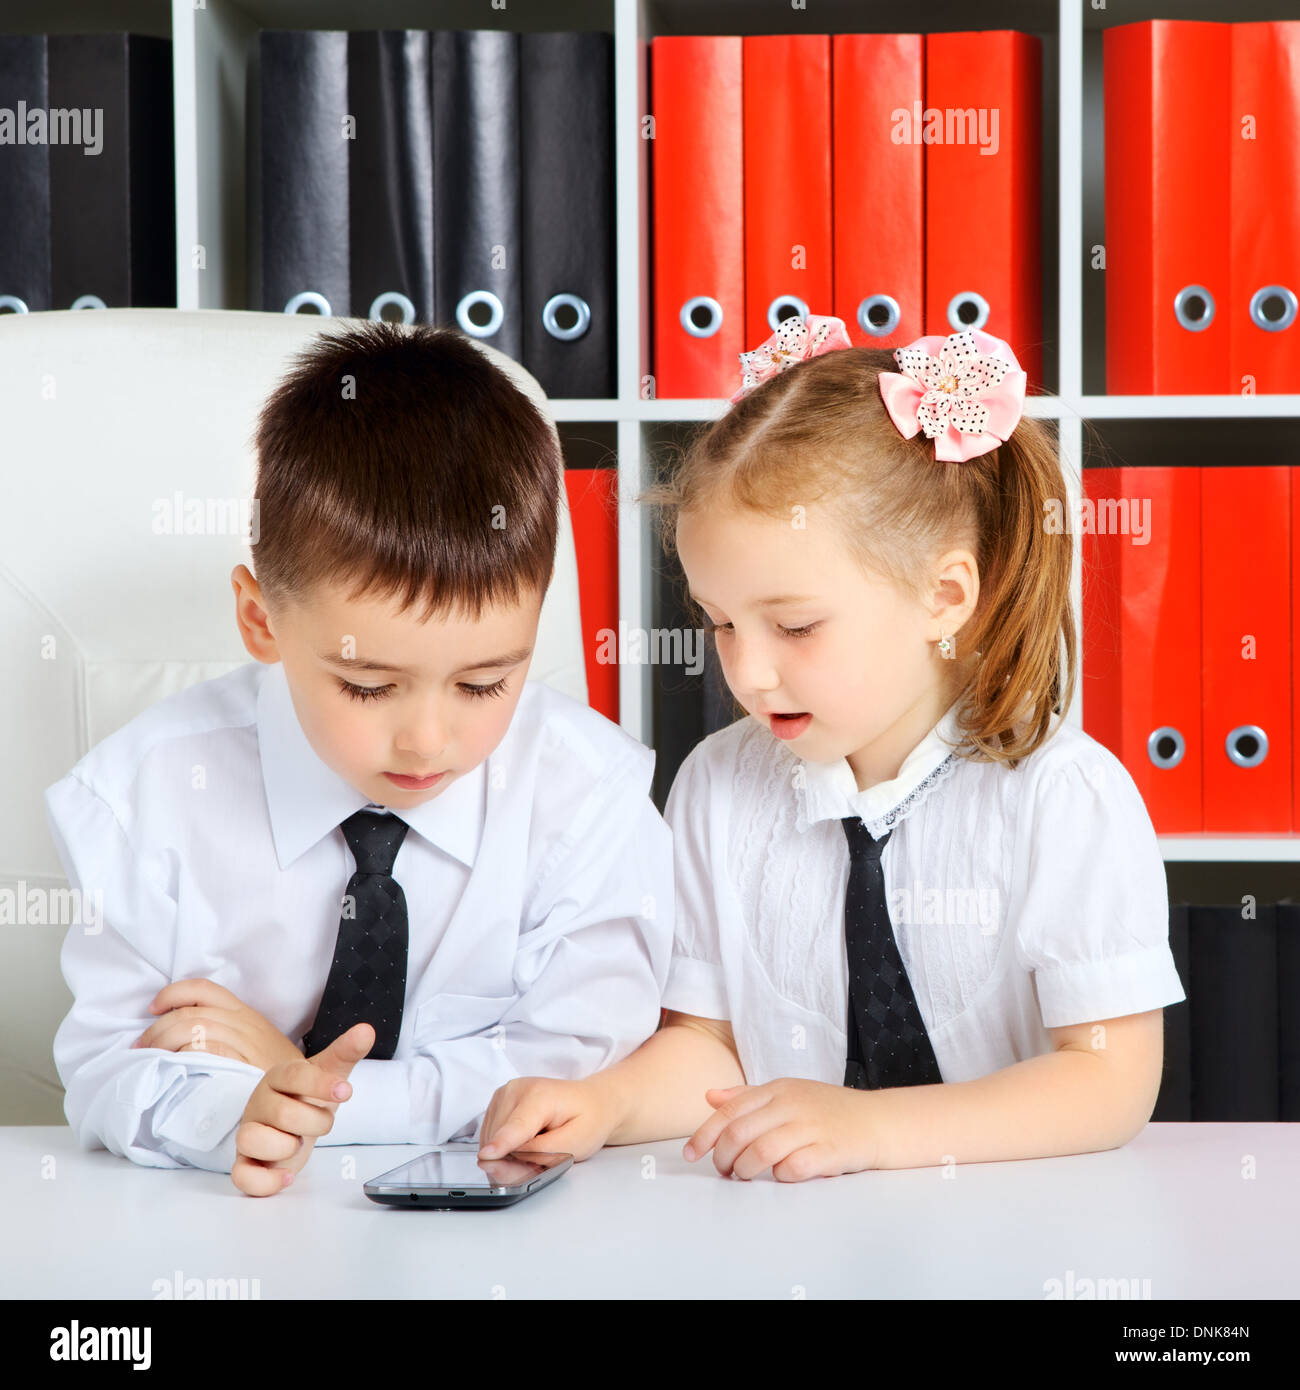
(104, 413)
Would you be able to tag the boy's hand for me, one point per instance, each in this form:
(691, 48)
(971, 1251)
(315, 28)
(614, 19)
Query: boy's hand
(293, 1106)
(571, 1117)
(202, 1016)
(797, 1128)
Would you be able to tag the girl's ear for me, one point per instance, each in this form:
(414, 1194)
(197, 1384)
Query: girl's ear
(956, 592)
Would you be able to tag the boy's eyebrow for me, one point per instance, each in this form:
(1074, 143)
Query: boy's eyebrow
(767, 602)
(356, 663)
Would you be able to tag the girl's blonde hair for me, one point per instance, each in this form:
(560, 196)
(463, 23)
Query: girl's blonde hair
(819, 432)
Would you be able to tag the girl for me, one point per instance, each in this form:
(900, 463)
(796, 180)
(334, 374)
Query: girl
(909, 896)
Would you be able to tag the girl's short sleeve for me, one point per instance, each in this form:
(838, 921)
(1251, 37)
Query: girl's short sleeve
(1092, 919)
(696, 984)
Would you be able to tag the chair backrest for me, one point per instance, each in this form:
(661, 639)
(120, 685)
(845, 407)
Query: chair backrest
(121, 430)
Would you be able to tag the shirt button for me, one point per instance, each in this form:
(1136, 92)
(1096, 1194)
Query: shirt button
(205, 1124)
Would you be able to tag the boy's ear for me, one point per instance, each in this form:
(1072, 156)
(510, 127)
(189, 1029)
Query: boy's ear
(252, 618)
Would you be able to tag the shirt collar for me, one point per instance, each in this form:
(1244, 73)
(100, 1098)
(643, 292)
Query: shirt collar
(830, 790)
(306, 799)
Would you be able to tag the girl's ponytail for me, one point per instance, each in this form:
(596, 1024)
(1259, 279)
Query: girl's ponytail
(1023, 628)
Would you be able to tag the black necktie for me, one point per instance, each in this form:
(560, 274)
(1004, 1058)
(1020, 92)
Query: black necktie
(367, 979)
(888, 1044)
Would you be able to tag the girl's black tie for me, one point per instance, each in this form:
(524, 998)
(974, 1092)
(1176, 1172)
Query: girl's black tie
(888, 1044)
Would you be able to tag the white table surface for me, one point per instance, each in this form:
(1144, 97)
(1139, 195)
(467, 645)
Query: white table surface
(1175, 1206)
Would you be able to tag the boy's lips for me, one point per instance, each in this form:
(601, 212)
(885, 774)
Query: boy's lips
(415, 783)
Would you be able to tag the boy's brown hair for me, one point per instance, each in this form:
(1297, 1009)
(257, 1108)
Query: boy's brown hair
(399, 460)
(820, 431)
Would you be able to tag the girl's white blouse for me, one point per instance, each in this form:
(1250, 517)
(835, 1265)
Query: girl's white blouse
(1021, 899)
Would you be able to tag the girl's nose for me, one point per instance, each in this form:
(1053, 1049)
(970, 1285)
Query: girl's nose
(750, 668)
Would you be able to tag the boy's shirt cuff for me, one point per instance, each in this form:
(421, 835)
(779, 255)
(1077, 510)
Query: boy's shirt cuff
(379, 1109)
(198, 1127)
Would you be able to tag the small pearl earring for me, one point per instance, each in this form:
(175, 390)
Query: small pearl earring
(948, 648)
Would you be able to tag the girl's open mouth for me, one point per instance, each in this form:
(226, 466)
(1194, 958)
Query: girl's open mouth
(787, 726)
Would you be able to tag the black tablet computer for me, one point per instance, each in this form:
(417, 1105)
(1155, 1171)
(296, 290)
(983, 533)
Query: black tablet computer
(453, 1176)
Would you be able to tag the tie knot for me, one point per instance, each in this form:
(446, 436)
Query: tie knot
(862, 844)
(374, 839)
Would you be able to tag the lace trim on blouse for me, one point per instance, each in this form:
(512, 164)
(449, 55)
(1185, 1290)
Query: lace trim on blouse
(877, 827)
(879, 824)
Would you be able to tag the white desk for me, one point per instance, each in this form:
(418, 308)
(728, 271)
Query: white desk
(1171, 1207)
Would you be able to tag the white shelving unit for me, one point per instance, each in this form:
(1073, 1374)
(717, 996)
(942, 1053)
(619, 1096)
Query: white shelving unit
(213, 41)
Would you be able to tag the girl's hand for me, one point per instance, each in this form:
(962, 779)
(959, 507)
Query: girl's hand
(537, 1112)
(799, 1129)
(200, 1016)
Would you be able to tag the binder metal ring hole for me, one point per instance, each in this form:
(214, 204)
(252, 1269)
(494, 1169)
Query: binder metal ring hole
(309, 299)
(1194, 308)
(785, 306)
(879, 315)
(1247, 745)
(1273, 308)
(566, 317)
(701, 317)
(1165, 747)
(88, 301)
(394, 299)
(10, 303)
(480, 314)
(967, 310)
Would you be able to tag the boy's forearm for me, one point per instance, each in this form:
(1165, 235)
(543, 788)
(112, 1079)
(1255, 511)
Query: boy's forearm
(1062, 1102)
(659, 1090)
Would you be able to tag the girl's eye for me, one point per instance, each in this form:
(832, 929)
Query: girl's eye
(804, 631)
(479, 692)
(365, 692)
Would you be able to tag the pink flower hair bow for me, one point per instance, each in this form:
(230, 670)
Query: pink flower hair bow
(966, 391)
(795, 341)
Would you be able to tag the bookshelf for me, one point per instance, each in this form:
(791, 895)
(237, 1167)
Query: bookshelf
(213, 44)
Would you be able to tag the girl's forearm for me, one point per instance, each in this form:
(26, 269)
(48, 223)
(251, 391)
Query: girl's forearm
(1062, 1102)
(658, 1091)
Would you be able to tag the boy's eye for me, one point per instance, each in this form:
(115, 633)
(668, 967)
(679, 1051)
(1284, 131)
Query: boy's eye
(380, 692)
(479, 692)
(365, 692)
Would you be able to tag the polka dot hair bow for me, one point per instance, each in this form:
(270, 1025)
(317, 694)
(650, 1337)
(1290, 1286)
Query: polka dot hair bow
(966, 391)
(795, 341)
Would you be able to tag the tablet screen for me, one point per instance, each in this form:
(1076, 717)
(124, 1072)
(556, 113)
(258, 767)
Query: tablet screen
(461, 1168)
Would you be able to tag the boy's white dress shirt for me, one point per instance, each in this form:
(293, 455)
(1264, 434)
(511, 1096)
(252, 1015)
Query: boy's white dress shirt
(538, 889)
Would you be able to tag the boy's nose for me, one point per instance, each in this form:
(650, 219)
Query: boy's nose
(423, 744)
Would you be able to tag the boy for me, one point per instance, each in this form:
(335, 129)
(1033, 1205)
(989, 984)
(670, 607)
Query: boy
(372, 863)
